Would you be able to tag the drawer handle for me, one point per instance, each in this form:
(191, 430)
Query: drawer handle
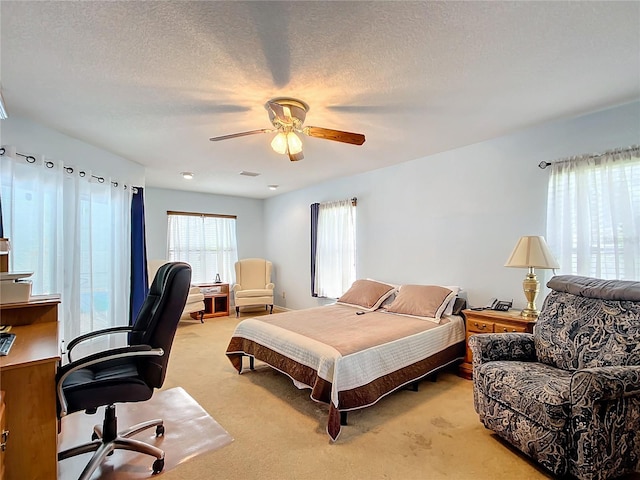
(484, 325)
(3, 445)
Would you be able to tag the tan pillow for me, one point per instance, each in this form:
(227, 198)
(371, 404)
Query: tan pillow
(366, 294)
(427, 301)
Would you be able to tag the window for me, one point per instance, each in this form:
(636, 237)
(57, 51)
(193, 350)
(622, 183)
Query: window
(71, 229)
(593, 219)
(204, 241)
(333, 247)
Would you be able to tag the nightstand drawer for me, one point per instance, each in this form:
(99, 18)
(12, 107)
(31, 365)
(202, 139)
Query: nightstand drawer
(479, 326)
(505, 327)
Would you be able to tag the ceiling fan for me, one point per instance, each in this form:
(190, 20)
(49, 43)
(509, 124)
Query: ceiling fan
(287, 116)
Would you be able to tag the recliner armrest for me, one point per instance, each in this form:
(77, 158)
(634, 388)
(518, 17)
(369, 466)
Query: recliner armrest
(605, 383)
(489, 347)
(236, 287)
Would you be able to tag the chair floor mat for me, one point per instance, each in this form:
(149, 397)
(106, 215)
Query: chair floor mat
(189, 431)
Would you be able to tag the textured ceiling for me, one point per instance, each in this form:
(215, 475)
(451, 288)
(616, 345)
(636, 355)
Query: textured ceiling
(152, 81)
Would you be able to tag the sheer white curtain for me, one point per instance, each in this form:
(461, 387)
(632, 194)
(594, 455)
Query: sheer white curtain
(97, 230)
(206, 242)
(336, 248)
(32, 213)
(593, 217)
(73, 231)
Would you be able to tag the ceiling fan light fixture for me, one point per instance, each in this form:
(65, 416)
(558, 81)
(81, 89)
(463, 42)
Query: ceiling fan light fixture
(294, 143)
(287, 116)
(279, 143)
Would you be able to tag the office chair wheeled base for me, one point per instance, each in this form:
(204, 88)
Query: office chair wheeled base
(107, 439)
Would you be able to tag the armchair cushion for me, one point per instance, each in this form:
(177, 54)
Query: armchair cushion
(256, 292)
(534, 390)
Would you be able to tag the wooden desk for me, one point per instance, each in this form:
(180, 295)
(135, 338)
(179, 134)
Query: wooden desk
(27, 376)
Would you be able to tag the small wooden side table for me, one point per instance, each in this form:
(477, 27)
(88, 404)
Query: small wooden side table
(490, 321)
(216, 300)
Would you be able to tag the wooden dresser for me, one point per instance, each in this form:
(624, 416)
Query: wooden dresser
(490, 321)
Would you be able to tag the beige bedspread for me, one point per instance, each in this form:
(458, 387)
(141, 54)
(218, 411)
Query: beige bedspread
(348, 360)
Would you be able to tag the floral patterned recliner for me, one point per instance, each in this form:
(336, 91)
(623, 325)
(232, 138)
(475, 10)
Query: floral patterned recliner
(568, 395)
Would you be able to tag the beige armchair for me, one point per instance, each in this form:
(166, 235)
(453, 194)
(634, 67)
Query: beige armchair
(195, 300)
(253, 283)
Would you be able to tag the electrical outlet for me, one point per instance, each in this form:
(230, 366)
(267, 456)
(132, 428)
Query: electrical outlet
(284, 295)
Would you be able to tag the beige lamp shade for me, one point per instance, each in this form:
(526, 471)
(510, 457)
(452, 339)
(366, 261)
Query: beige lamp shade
(532, 251)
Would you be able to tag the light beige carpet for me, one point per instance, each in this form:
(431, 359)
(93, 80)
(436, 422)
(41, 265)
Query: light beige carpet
(280, 433)
(189, 431)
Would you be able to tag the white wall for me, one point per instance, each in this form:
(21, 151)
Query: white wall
(31, 138)
(451, 218)
(249, 222)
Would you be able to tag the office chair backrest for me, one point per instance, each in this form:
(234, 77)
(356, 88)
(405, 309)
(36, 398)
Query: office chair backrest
(158, 318)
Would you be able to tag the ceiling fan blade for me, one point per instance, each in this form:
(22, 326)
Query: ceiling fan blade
(294, 157)
(241, 134)
(335, 135)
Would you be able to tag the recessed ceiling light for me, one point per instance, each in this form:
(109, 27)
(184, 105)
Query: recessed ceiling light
(187, 175)
(273, 187)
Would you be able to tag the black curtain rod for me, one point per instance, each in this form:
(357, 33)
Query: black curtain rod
(81, 173)
(594, 156)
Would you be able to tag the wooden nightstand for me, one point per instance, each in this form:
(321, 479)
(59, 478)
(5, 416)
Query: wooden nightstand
(491, 321)
(216, 300)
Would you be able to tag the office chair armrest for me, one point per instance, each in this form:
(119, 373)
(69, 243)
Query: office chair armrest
(97, 333)
(100, 357)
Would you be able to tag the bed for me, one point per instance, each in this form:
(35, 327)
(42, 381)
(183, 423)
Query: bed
(351, 354)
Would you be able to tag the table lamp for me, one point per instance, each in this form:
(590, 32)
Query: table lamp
(531, 252)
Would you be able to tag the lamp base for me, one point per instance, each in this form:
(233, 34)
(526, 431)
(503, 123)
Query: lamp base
(531, 287)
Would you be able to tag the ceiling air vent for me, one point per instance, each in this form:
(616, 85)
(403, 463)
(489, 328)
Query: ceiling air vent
(249, 174)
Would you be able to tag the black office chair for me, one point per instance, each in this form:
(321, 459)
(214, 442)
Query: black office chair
(127, 374)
